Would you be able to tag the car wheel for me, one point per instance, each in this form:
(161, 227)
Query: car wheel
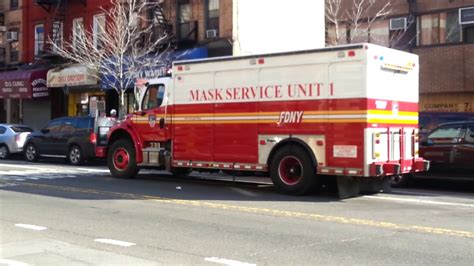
(31, 154)
(75, 155)
(121, 159)
(293, 172)
(4, 152)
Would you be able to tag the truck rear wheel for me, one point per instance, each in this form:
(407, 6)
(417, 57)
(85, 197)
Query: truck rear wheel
(292, 171)
(121, 159)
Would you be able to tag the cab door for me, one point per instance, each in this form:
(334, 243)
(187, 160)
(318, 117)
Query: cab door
(441, 144)
(46, 141)
(151, 121)
(464, 152)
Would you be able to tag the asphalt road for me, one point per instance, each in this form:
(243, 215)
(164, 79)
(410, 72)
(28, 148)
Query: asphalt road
(55, 214)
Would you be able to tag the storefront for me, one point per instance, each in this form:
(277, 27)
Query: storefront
(25, 97)
(444, 107)
(80, 91)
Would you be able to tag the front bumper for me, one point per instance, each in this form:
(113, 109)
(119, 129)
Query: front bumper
(15, 148)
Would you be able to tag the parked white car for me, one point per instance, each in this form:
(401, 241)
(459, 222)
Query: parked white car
(12, 139)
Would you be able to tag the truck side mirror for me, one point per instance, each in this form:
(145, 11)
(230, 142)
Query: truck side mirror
(162, 122)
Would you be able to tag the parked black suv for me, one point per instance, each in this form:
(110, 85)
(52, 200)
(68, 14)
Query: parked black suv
(73, 138)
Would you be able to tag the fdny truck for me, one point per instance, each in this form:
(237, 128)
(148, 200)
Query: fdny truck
(350, 112)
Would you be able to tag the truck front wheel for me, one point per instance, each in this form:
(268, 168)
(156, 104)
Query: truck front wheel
(121, 159)
(292, 171)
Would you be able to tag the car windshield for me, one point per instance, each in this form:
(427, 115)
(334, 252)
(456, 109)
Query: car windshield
(19, 129)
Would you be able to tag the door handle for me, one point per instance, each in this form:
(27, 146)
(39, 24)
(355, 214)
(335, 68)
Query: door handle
(162, 122)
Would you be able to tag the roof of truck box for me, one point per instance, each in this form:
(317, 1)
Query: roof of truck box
(228, 58)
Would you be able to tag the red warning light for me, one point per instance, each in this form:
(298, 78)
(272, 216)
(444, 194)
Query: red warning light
(261, 61)
(351, 53)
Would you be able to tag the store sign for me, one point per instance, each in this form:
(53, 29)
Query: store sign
(39, 88)
(23, 84)
(70, 76)
(447, 107)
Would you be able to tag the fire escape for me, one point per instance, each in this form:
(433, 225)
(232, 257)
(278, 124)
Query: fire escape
(162, 27)
(57, 10)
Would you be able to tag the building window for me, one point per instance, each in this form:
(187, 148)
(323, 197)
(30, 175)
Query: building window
(184, 18)
(39, 39)
(2, 56)
(469, 35)
(58, 34)
(2, 19)
(212, 14)
(98, 30)
(13, 4)
(77, 27)
(14, 51)
(439, 28)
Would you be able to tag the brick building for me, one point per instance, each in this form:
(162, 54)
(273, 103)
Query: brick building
(10, 52)
(434, 31)
(205, 23)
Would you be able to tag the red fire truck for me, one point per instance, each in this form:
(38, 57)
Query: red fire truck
(350, 112)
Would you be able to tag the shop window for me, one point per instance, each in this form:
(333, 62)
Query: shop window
(98, 30)
(212, 18)
(90, 105)
(39, 39)
(14, 51)
(13, 4)
(130, 102)
(439, 28)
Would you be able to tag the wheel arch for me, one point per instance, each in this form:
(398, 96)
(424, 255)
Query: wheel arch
(120, 134)
(292, 141)
(131, 136)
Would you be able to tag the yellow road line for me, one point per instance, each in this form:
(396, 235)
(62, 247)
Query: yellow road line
(273, 212)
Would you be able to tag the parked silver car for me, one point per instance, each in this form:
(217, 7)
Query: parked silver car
(12, 139)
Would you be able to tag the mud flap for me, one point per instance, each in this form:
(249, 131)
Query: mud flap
(348, 187)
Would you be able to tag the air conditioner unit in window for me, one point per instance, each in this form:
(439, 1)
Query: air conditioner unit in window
(211, 33)
(398, 24)
(3, 28)
(12, 36)
(466, 15)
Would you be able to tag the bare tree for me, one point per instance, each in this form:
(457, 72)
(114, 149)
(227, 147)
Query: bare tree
(348, 20)
(118, 49)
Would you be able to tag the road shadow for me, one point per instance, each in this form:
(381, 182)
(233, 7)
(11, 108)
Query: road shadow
(197, 187)
(95, 186)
